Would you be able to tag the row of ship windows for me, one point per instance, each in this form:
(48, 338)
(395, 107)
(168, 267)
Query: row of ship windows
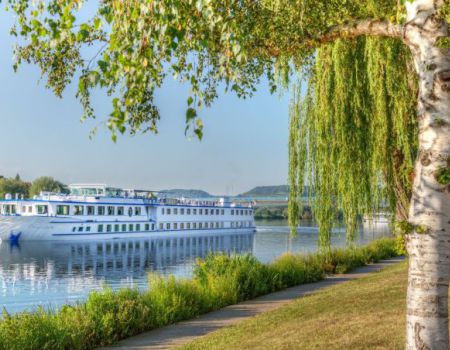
(115, 210)
(114, 228)
(162, 226)
(76, 210)
(188, 211)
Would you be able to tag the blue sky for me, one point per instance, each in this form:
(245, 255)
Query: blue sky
(244, 144)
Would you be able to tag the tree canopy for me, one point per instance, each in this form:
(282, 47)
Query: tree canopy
(46, 184)
(133, 45)
(13, 186)
(354, 133)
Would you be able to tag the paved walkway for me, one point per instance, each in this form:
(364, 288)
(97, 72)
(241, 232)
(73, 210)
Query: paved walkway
(186, 331)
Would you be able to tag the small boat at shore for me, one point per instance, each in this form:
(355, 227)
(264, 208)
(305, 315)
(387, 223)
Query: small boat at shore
(102, 212)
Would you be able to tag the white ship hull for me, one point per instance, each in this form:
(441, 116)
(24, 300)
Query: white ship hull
(49, 229)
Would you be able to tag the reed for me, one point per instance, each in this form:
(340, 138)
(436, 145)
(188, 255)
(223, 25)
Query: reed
(218, 280)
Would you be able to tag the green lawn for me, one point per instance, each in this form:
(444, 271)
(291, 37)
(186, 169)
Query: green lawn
(368, 313)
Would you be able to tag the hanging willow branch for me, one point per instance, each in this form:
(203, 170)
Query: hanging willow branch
(352, 136)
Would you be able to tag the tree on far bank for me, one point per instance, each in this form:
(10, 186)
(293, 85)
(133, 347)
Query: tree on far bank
(14, 186)
(46, 184)
(236, 43)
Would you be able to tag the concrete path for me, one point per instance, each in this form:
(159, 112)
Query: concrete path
(186, 331)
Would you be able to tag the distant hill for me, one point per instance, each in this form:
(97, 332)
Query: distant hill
(178, 192)
(267, 191)
(270, 191)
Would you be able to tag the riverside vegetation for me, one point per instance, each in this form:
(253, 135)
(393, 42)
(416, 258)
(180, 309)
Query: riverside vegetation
(219, 280)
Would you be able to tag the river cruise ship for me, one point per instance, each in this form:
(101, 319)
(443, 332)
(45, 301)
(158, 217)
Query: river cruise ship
(102, 212)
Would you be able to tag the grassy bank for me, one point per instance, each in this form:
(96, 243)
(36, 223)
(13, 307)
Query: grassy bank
(218, 281)
(368, 313)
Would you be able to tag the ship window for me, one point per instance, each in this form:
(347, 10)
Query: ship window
(206, 225)
(108, 228)
(120, 211)
(168, 226)
(188, 225)
(147, 227)
(217, 211)
(124, 227)
(90, 210)
(217, 225)
(200, 212)
(88, 229)
(161, 226)
(195, 211)
(222, 212)
(137, 210)
(61, 210)
(41, 209)
(130, 227)
(162, 211)
(175, 226)
(78, 210)
(188, 211)
(80, 229)
(100, 228)
(116, 228)
(175, 211)
(242, 212)
(182, 211)
(206, 211)
(182, 226)
(101, 210)
(153, 226)
(194, 225)
(168, 211)
(110, 210)
(74, 229)
(138, 227)
(232, 212)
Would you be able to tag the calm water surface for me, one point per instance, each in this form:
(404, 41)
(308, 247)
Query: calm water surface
(55, 273)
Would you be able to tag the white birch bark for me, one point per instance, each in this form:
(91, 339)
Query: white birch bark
(429, 245)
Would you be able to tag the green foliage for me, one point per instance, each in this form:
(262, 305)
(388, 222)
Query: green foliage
(128, 48)
(274, 212)
(13, 186)
(443, 176)
(358, 122)
(219, 280)
(46, 184)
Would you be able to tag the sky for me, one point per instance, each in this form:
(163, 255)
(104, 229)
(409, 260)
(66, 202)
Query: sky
(244, 143)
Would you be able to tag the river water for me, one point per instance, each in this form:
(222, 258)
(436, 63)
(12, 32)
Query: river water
(54, 273)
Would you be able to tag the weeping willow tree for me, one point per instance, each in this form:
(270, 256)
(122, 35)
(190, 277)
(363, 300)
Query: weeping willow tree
(353, 134)
(353, 144)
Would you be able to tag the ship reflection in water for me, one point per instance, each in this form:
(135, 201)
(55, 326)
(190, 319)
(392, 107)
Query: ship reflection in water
(54, 273)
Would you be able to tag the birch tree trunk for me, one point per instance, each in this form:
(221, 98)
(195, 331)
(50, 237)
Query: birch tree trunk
(429, 244)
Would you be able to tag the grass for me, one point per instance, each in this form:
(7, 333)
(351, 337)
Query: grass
(368, 313)
(219, 280)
